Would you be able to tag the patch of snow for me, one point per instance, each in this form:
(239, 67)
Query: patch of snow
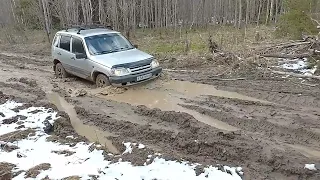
(33, 120)
(299, 65)
(141, 146)
(35, 150)
(128, 148)
(70, 137)
(295, 66)
(310, 167)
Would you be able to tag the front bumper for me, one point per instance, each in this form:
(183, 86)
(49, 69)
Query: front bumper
(133, 78)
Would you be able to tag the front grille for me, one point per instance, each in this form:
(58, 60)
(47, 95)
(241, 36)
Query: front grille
(140, 69)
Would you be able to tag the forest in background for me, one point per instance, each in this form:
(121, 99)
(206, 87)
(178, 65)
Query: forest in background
(129, 15)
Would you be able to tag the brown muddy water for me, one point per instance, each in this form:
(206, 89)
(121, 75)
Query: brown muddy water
(169, 95)
(92, 133)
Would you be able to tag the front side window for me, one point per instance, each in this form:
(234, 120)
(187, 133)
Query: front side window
(65, 43)
(77, 46)
(107, 43)
(55, 41)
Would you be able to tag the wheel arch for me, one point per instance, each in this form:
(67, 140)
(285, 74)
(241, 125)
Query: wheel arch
(95, 75)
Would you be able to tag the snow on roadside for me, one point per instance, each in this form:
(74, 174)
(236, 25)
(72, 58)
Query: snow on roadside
(35, 150)
(310, 167)
(298, 65)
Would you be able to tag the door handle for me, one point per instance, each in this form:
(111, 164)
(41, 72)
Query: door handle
(73, 58)
(59, 53)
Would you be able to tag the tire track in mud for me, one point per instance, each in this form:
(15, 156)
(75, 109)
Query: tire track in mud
(259, 124)
(282, 91)
(32, 90)
(195, 140)
(198, 142)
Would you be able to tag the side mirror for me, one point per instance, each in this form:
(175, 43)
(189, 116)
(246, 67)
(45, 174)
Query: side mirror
(135, 46)
(81, 56)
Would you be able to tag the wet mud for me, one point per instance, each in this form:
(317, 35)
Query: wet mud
(266, 124)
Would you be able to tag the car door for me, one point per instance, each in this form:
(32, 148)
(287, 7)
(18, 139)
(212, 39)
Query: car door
(81, 65)
(63, 53)
(55, 47)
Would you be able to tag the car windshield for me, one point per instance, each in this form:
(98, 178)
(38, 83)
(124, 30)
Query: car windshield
(107, 43)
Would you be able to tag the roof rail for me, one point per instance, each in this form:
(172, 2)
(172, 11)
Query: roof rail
(86, 27)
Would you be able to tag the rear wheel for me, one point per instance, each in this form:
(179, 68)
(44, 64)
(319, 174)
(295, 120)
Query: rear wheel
(60, 72)
(102, 81)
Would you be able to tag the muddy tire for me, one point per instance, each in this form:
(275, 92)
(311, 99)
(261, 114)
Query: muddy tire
(102, 81)
(60, 72)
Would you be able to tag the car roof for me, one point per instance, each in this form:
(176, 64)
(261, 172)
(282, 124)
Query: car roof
(87, 32)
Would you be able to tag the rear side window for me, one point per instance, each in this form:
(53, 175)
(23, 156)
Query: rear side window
(77, 46)
(65, 42)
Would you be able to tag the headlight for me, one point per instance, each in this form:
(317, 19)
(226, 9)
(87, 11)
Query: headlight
(154, 64)
(120, 71)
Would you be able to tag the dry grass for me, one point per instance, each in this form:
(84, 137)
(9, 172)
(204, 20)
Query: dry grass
(158, 42)
(229, 39)
(24, 41)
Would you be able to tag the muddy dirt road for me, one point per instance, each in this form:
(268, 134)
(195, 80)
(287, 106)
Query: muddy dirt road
(265, 123)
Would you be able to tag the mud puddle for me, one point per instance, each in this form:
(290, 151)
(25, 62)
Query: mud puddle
(169, 95)
(93, 134)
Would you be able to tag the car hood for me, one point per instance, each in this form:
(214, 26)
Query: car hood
(120, 58)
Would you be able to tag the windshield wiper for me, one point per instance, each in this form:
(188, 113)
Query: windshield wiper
(106, 52)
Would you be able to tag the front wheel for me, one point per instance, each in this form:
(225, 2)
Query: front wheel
(60, 72)
(102, 81)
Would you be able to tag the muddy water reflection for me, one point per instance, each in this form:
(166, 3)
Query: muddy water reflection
(167, 97)
(90, 132)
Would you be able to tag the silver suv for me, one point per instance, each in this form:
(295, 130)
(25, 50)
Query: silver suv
(101, 55)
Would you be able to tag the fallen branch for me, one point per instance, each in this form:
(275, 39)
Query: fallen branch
(287, 45)
(287, 56)
(220, 79)
(296, 75)
(314, 51)
(294, 44)
(307, 84)
(180, 70)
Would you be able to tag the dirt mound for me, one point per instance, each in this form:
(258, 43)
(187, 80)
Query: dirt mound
(14, 119)
(62, 128)
(35, 171)
(5, 170)
(17, 135)
(29, 82)
(65, 152)
(183, 120)
(112, 90)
